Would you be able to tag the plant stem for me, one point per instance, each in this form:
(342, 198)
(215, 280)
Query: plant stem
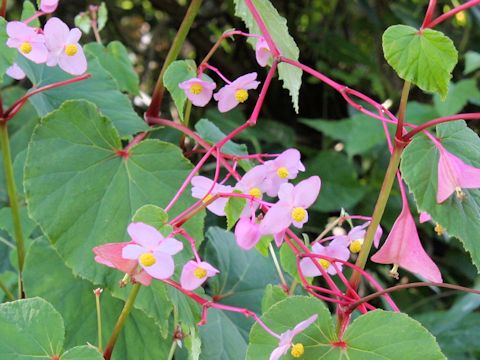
(402, 109)
(172, 350)
(121, 321)
(3, 8)
(7, 291)
(277, 266)
(14, 206)
(99, 321)
(157, 97)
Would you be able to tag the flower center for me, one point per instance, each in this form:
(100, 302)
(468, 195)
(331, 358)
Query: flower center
(71, 49)
(200, 273)
(356, 246)
(439, 229)
(255, 192)
(297, 350)
(196, 89)
(299, 214)
(241, 95)
(282, 172)
(26, 47)
(147, 259)
(324, 263)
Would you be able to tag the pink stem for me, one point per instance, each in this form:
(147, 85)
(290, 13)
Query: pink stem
(429, 14)
(218, 72)
(263, 28)
(451, 13)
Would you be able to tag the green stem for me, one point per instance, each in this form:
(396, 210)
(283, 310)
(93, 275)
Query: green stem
(7, 291)
(99, 320)
(14, 206)
(402, 109)
(121, 321)
(157, 97)
(278, 267)
(172, 350)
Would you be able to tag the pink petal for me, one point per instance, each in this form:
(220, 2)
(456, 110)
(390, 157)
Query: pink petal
(56, 34)
(111, 255)
(201, 99)
(306, 192)
(247, 234)
(19, 30)
(218, 206)
(243, 80)
(290, 159)
(279, 351)
(39, 53)
(252, 178)
(308, 267)
(163, 267)
(262, 52)
(337, 250)
(277, 219)
(286, 193)
(424, 217)
(74, 65)
(278, 237)
(74, 36)
(15, 72)
(299, 224)
(226, 99)
(169, 246)
(133, 251)
(48, 6)
(145, 235)
(188, 280)
(143, 278)
(304, 324)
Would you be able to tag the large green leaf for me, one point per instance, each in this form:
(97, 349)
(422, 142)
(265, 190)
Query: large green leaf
(7, 55)
(458, 96)
(179, 71)
(419, 168)
(277, 27)
(82, 353)
(376, 335)
(83, 194)
(101, 89)
(424, 57)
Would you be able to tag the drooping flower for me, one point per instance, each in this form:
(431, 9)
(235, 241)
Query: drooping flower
(63, 47)
(262, 52)
(194, 274)
(26, 40)
(201, 185)
(337, 249)
(285, 167)
(16, 72)
(247, 233)
(48, 6)
(236, 92)
(404, 249)
(198, 91)
(454, 175)
(292, 205)
(355, 237)
(286, 340)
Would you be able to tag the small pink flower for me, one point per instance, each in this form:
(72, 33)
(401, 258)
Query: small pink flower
(262, 52)
(194, 274)
(15, 72)
(292, 205)
(403, 248)
(26, 40)
(63, 47)
(285, 167)
(201, 185)
(337, 249)
(424, 217)
(355, 237)
(236, 92)
(247, 233)
(252, 183)
(48, 6)
(286, 340)
(454, 175)
(198, 91)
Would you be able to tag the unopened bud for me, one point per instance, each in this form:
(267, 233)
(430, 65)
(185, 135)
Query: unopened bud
(98, 291)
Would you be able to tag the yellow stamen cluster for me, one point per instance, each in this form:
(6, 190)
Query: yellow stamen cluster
(200, 273)
(71, 49)
(241, 95)
(255, 192)
(196, 89)
(26, 47)
(299, 214)
(461, 18)
(147, 259)
(439, 229)
(324, 263)
(282, 172)
(356, 246)
(207, 198)
(297, 350)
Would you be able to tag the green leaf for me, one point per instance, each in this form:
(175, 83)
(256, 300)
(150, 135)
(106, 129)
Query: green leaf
(114, 59)
(82, 353)
(273, 294)
(425, 58)
(28, 11)
(102, 16)
(277, 27)
(151, 215)
(458, 96)
(7, 55)
(289, 261)
(30, 328)
(263, 244)
(233, 210)
(211, 133)
(101, 89)
(83, 22)
(377, 335)
(178, 72)
(83, 194)
(419, 168)
(472, 62)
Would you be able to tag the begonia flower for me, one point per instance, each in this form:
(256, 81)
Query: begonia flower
(63, 47)
(286, 340)
(404, 249)
(198, 91)
(337, 249)
(454, 175)
(252, 183)
(201, 185)
(247, 233)
(27, 41)
(262, 52)
(48, 6)
(355, 237)
(16, 72)
(292, 205)
(236, 92)
(194, 274)
(285, 167)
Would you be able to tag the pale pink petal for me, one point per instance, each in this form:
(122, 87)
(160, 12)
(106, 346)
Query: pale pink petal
(39, 53)
(253, 178)
(226, 99)
(308, 267)
(74, 65)
(19, 30)
(188, 280)
(201, 99)
(48, 6)
(278, 237)
(424, 217)
(243, 80)
(145, 235)
(304, 324)
(169, 246)
(163, 267)
(143, 278)
(247, 234)
(378, 236)
(262, 52)
(290, 159)
(279, 351)
(56, 34)
(218, 206)
(337, 250)
(286, 193)
(16, 72)
(74, 36)
(277, 219)
(133, 251)
(306, 192)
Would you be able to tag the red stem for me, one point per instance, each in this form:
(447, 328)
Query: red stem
(451, 13)
(429, 14)
(263, 28)
(3, 8)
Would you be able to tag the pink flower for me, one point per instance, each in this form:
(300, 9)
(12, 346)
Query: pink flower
(201, 186)
(285, 167)
(286, 340)
(151, 250)
(63, 47)
(403, 248)
(198, 91)
(262, 52)
(236, 92)
(355, 237)
(15, 72)
(424, 217)
(195, 274)
(48, 6)
(26, 40)
(247, 233)
(337, 249)
(292, 205)
(252, 183)
(454, 175)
